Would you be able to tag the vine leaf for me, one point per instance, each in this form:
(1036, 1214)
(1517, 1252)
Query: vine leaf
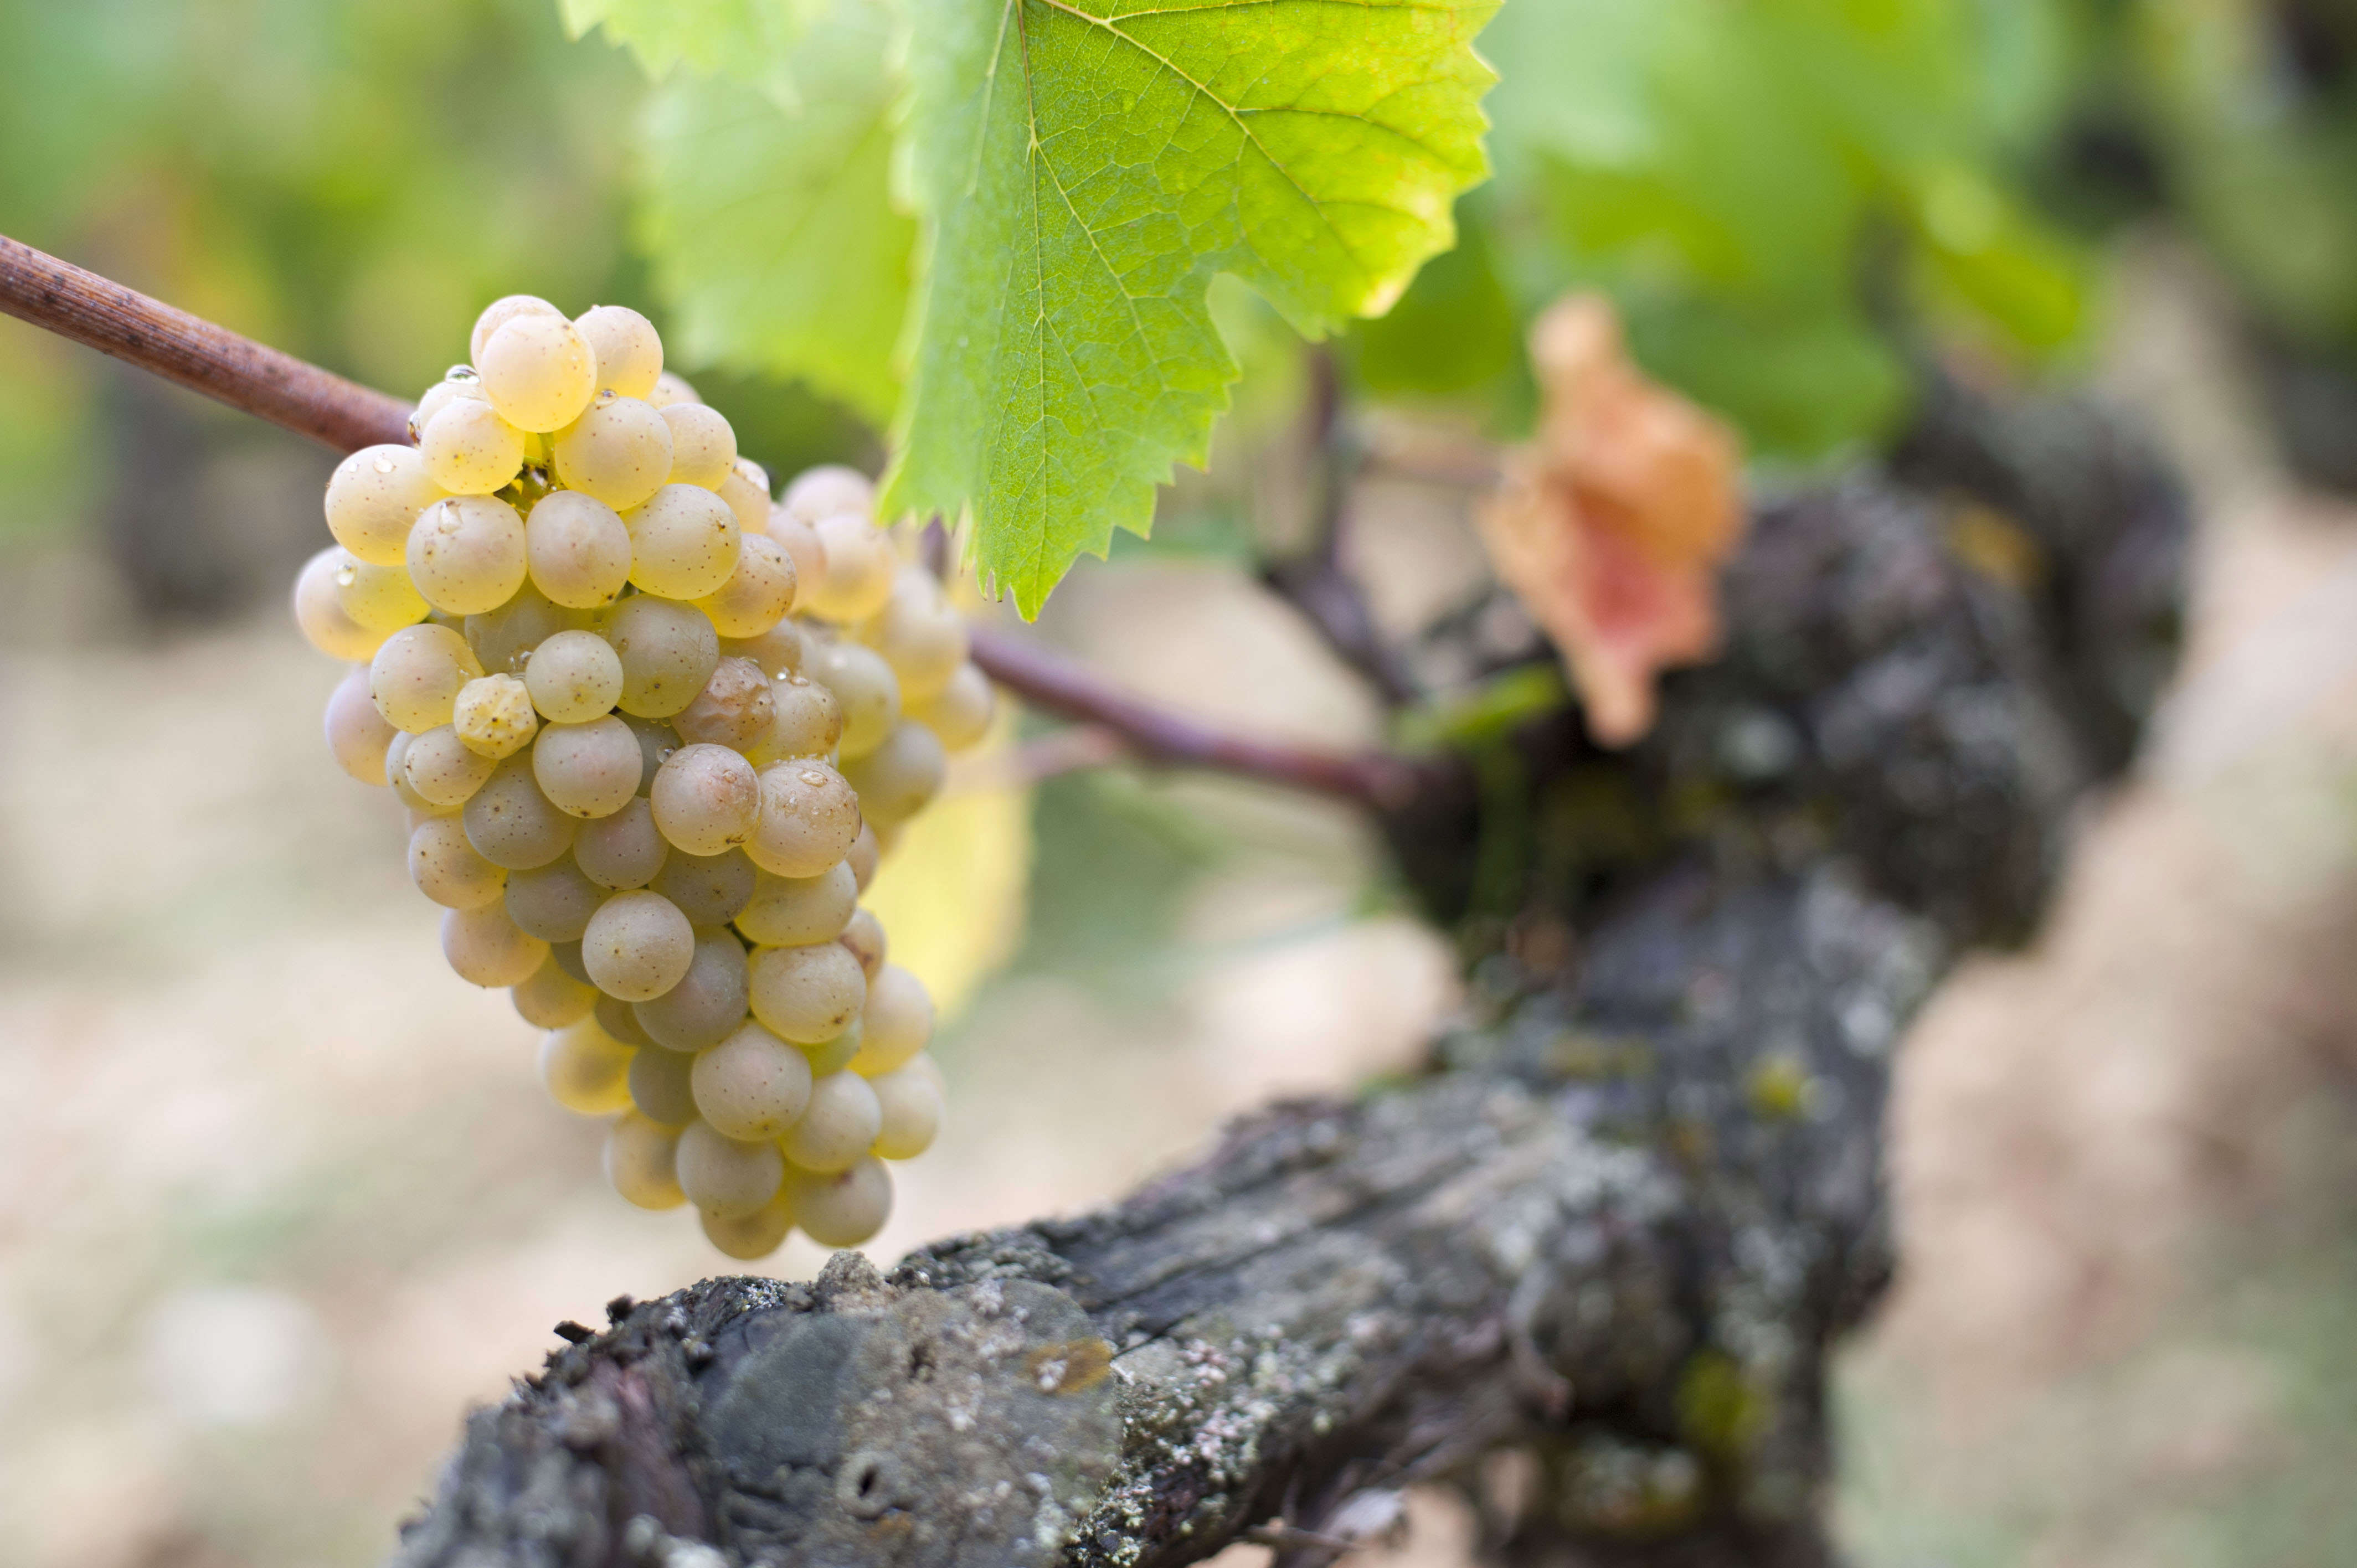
(767, 215)
(1083, 169)
(741, 38)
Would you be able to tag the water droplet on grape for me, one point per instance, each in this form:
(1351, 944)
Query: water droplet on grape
(812, 778)
(463, 374)
(383, 465)
(605, 396)
(347, 575)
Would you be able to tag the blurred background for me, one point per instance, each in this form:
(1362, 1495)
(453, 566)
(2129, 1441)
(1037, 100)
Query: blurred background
(279, 1195)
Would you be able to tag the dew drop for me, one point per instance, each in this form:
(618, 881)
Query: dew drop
(347, 575)
(606, 397)
(812, 778)
(463, 374)
(385, 465)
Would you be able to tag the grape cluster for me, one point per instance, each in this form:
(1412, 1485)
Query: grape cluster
(653, 732)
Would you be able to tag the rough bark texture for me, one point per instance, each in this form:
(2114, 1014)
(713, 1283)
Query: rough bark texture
(1617, 1228)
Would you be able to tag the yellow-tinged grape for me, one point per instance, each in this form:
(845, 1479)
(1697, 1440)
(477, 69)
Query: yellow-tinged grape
(844, 1209)
(620, 1019)
(860, 566)
(513, 824)
(833, 1056)
(668, 649)
(835, 1128)
(574, 677)
(493, 716)
(672, 389)
(381, 598)
(661, 1089)
(758, 595)
(637, 946)
(920, 635)
(458, 381)
(488, 949)
(707, 799)
(466, 554)
(373, 496)
(708, 1002)
(911, 1101)
(657, 741)
(933, 1069)
(896, 1025)
(552, 902)
(799, 911)
(441, 771)
(627, 349)
(587, 769)
(746, 492)
(619, 451)
(863, 937)
(809, 818)
(735, 708)
(504, 638)
(777, 652)
(357, 733)
(809, 720)
(864, 857)
(497, 314)
(710, 890)
(866, 688)
(640, 1161)
(566, 956)
(899, 778)
(827, 490)
(539, 372)
(749, 1237)
(799, 541)
(703, 447)
(961, 713)
(319, 611)
(587, 1069)
(726, 1177)
(752, 1085)
(396, 753)
(577, 549)
(684, 542)
(807, 994)
(549, 998)
(622, 851)
(447, 868)
(468, 449)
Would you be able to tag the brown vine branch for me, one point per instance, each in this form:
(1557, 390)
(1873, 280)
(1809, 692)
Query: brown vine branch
(295, 395)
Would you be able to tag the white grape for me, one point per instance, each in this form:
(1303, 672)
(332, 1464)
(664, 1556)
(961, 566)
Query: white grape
(799, 541)
(618, 452)
(577, 550)
(627, 349)
(800, 911)
(868, 691)
(757, 594)
(587, 1069)
(809, 818)
(488, 949)
(703, 447)
(895, 1025)
(920, 635)
(777, 652)
(460, 381)
(552, 902)
(911, 1103)
(746, 492)
(710, 890)
(396, 753)
(899, 779)
(707, 1003)
(807, 994)
(622, 851)
(469, 450)
(751, 1085)
(809, 721)
(844, 1209)
(466, 554)
(538, 372)
(749, 1237)
(828, 489)
(320, 614)
(684, 542)
(637, 946)
(668, 649)
(493, 716)
(574, 678)
(497, 314)
(834, 1132)
(833, 1056)
(621, 1019)
(416, 676)
(707, 799)
(735, 709)
(662, 1087)
(373, 497)
(724, 1177)
(512, 823)
(864, 857)
(672, 389)
(657, 740)
(505, 637)
(860, 566)
(357, 733)
(381, 598)
(587, 769)
(441, 771)
(447, 868)
(863, 937)
(550, 999)
(640, 1160)
(566, 956)
(960, 713)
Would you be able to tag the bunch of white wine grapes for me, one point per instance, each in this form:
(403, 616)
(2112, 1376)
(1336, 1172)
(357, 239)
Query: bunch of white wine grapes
(653, 731)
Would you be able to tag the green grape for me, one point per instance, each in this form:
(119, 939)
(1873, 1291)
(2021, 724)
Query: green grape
(554, 902)
(622, 851)
(662, 1086)
(710, 890)
(777, 652)
(637, 946)
(800, 911)
(808, 720)
(806, 994)
(506, 637)
(513, 824)
(684, 542)
(709, 1000)
(587, 769)
(725, 1176)
(574, 678)
(668, 649)
(549, 998)
(868, 690)
(833, 1056)
(752, 1085)
(621, 1019)
(577, 550)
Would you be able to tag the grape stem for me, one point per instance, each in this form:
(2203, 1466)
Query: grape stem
(295, 395)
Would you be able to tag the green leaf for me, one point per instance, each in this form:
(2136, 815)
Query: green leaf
(769, 224)
(1083, 170)
(741, 38)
